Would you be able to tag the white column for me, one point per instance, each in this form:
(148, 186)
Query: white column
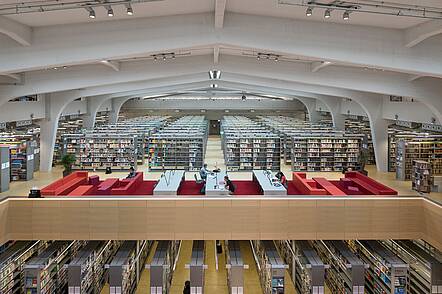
(334, 106)
(54, 105)
(93, 105)
(117, 103)
(373, 104)
(310, 104)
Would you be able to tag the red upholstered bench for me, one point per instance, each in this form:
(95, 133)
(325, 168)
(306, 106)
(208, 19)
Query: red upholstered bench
(329, 187)
(305, 186)
(65, 185)
(106, 186)
(128, 186)
(94, 180)
(368, 184)
(82, 190)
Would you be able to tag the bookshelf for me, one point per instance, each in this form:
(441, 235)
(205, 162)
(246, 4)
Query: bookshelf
(346, 273)
(327, 152)
(179, 145)
(386, 273)
(426, 150)
(358, 125)
(21, 161)
(46, 272)
(424, 260)
(126, 265)
(162, 266)
(12, 260)
(287, 128)
(86, 271)
(421, 176)
(271, 267)
(5, 176)
(248, 145)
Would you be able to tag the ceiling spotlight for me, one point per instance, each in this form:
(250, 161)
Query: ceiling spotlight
(327, 13)
(155, 58)
(164, 57)
(346, 15)
(309, 11)
(214, 86)
(110, 12)
(243, 97)
(129, 10)
(91, 12)
(258, 57)
(276, 59)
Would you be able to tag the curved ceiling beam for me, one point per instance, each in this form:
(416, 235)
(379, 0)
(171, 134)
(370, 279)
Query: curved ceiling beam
(20, 33)
(338, 43)
(419, 33)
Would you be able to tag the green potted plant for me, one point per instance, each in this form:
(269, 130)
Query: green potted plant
(67, 161)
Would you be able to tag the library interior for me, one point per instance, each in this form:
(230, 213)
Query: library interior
(221, 147)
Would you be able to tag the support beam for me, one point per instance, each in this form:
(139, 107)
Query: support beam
(216, 54)
(316, 66)
(334, 106)
(116, 107)
(220, 9)
(93, 105)
(413, 78)
(19, 32)
(115, 65)
(310, 104)
(421, 32)
(54, 105)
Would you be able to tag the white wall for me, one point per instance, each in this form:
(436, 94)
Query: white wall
(16, 111)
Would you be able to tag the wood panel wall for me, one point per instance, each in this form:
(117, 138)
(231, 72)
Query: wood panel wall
(211, 218)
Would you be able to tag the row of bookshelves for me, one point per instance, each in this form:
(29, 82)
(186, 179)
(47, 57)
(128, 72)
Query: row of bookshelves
(333, 151)
(179, 145)
(248, 145)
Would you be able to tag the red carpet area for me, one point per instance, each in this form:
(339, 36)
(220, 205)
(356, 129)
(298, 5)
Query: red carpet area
(81, 184)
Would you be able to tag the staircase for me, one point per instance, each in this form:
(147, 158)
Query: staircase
(214, 153)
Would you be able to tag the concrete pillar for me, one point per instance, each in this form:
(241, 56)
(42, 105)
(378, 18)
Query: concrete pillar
(310, 104)
(334, 106)
(54, 105)
(373, 104)
(93, 105)
(117, 103)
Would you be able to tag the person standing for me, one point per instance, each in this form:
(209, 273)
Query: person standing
(186, 289)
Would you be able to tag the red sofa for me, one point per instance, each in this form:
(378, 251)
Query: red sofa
(66, 185)
(128, 186)
(329, 187)
(368, 184)
(306, 187)
(83, 190)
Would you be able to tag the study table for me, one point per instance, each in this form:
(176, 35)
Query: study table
(267, 182)
(169, 183)
(215, 184)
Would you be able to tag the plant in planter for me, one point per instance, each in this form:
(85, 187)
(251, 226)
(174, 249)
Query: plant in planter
(67, 161)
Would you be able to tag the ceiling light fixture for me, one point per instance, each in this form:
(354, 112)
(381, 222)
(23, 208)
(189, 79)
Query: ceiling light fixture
(309, 11)
(129, 9)
(91, 12)
(327, 13)
(110, 11)
(214, 74)
(346, 15)
(214, 86)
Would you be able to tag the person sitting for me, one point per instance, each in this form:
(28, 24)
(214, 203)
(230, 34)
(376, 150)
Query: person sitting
(132, 173)
(228, 185)
(204, 171)
(282, 179)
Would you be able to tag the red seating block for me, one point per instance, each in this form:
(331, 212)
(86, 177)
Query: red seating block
(329, 187)
(94, 180)
(105, 187)
(82, 190)
(128, 186)
(306, 187)
(369, 184)
(66, 185)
